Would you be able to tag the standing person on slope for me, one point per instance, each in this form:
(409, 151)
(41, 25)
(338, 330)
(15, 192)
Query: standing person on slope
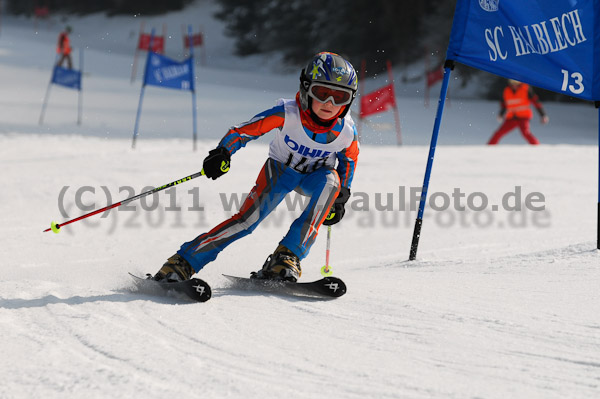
(515, 111)
(63, 48)
(312, 132)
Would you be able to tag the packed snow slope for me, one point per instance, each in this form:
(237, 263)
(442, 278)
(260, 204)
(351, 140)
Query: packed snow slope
(502, 302)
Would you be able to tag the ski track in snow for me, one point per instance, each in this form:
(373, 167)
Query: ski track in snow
(372, 342)
(509, 309)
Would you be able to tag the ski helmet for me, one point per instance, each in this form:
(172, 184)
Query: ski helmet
(328, 69)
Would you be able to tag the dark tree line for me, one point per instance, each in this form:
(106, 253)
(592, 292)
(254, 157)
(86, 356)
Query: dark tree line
(376, 30)
(111, 7)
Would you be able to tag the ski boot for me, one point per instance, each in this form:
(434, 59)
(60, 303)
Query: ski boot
(283, 264)
(175, 269)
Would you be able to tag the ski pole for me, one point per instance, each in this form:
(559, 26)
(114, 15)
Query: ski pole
(55, 227)
(327, 270)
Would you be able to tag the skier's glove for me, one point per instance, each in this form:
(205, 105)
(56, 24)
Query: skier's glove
(216, 164)
(337, 211)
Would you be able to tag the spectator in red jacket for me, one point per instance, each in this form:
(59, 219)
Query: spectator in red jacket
(64, 48)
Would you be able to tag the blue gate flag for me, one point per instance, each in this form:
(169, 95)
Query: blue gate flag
(165, 72)
(549, 44)
(66, 77)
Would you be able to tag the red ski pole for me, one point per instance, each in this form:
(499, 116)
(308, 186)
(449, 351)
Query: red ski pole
(327, 270)
(55, 227)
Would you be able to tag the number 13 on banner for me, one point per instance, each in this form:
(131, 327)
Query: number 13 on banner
(576, 78)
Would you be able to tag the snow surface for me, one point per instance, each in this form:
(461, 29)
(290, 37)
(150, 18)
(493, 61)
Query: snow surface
(499, 304)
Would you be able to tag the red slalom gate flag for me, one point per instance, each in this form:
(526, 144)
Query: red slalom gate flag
(41, 11)
(158, 43)
(435, 76)
(378, 101)
(196, 40)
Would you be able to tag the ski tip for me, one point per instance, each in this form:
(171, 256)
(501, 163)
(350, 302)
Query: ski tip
(201, 291)
(334, 286)
(195, 288)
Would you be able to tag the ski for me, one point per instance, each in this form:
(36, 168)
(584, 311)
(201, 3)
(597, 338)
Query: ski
(329, 287)
(194, 289)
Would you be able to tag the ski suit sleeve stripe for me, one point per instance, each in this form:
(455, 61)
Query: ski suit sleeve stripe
(239, 135)
(347, 160)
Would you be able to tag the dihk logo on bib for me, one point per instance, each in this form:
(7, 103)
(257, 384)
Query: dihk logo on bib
(303, 150)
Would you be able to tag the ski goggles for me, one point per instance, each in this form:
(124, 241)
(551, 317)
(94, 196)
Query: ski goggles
(324, 93)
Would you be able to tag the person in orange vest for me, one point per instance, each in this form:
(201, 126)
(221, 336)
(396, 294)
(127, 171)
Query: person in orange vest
(515, 111)
(64, 48)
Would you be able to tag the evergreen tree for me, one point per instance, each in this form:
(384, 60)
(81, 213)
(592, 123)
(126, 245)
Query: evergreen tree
(376, 30)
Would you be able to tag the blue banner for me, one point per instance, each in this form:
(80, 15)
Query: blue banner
(66, 77)
(165, 72)
(552, 44)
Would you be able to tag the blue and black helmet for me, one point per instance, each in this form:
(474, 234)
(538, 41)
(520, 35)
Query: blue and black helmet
(329, 69)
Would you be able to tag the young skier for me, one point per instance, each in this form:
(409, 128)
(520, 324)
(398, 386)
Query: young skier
(312, 132)
(515, 111)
